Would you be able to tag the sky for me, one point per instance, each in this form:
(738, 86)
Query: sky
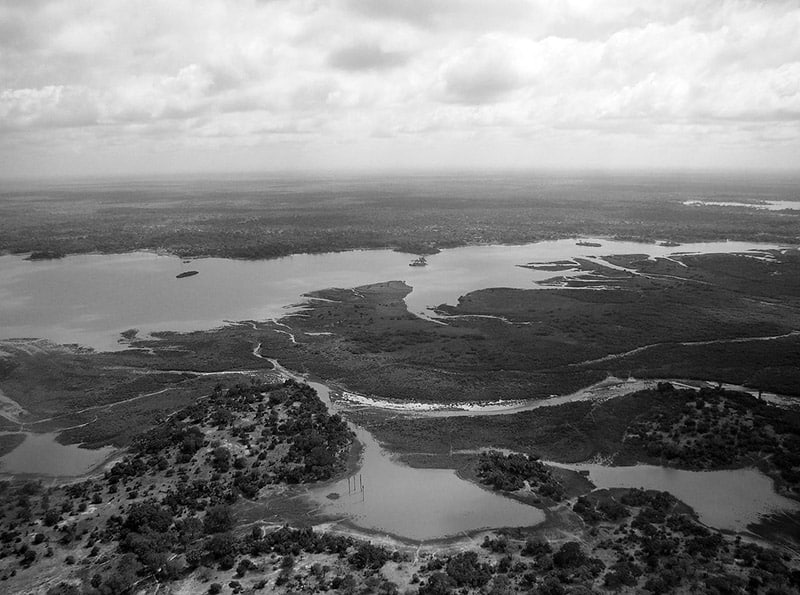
(105, 87)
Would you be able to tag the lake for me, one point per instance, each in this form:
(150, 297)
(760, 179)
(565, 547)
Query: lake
(90, 299)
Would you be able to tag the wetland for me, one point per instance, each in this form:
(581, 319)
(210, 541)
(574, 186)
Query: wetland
(355, 398)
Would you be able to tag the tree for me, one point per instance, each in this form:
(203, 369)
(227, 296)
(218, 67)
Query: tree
(466, 571)
(218, 519)
(221, 459)
(148, 515)
(438, 584)
(222, 548)
(569, 555)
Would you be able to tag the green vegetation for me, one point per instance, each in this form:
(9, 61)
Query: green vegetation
(514, 472)
(704, 320)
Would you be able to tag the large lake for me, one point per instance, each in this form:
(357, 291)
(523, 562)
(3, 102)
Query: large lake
(90, 299)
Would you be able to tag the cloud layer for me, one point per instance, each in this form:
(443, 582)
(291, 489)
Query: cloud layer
(154, 85)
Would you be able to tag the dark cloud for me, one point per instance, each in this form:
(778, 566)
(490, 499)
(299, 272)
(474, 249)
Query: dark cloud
(365, 56)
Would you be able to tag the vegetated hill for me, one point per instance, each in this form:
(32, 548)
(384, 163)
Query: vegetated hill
(179, 482)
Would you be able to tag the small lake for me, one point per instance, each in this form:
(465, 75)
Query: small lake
(417, 504)
(414, 504)
(729, 499)
(90, 299)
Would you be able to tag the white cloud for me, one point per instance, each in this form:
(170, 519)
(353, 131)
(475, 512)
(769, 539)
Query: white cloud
(422, 79)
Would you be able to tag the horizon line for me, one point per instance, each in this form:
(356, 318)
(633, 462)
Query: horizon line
(402, 172)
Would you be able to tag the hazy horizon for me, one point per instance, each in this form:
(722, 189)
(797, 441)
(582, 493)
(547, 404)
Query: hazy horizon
(400, 173)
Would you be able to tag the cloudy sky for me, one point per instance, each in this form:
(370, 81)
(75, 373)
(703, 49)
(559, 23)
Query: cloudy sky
(146, 86)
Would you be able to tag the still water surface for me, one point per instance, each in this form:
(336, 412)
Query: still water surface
(90, 299)
(416, 504)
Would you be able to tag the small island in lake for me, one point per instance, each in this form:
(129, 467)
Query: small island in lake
(187, 274)
(45, 255)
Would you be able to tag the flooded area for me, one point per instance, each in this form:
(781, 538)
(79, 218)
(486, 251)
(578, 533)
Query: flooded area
(729, 499)
(91, 299)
